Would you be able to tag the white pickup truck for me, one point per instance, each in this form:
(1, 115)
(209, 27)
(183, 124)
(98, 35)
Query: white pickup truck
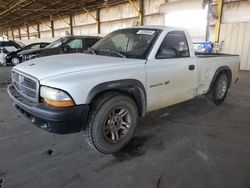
(127, 74)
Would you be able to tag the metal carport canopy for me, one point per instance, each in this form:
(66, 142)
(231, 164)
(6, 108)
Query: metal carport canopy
(18, 13)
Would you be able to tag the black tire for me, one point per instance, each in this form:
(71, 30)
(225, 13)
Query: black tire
(219, 90)
(105, 124)
(15, 61)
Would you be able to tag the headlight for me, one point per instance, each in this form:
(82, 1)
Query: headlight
(55, 97)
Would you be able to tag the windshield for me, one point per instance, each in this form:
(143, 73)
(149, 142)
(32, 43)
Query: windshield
(9, 46)
(57, 43)
(129, 43)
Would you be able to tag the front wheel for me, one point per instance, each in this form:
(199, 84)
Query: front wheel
(111, 123)
(15, 61)
(219, 91)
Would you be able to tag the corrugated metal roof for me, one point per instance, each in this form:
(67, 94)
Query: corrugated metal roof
(17, 13)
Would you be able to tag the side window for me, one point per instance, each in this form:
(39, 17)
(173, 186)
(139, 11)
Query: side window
(90, 42)
(75, 44)
(42, 45)
(35, 46)
(174, 45)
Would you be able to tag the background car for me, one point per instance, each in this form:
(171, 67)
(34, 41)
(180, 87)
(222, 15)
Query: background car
(9, 46)
(15, 59)
(64, 45)
(2, 57)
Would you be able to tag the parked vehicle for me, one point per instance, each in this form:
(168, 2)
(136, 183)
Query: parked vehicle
(14, 58)
(126, 74)
(2, 57)
(9, 46)
(65, 45)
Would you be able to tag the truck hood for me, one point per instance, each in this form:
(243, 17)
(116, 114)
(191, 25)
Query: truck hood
(56, 65)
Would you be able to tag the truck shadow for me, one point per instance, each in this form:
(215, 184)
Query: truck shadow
(133, 149)
(159, 128)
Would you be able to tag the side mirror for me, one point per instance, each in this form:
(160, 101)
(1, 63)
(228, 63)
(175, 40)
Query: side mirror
(66, 48)
(166, 53)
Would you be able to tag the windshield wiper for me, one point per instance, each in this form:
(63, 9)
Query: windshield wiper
(118, 53)
(115, 52)
(92, 51)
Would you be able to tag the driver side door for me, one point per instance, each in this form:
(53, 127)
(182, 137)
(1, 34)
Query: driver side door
(171, 76)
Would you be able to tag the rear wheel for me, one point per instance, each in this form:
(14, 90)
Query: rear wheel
(112, 121)
(219, 90)
(15, 61)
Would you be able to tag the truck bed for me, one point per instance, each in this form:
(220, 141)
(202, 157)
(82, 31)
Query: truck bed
(210, 63)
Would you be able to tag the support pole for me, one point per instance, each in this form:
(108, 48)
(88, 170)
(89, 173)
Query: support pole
(98, 24)
(52, 29)
(19, 33)
(7, 34)
(218, 22)
(38, 31)
(28, 31)
(142, 12)
(208, 21)
(12, 33)
(71, 25)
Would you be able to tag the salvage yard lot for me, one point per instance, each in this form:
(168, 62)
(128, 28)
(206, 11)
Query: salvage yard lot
(193, 144)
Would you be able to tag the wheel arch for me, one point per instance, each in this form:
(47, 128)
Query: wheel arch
(134, 88)
(220, 70)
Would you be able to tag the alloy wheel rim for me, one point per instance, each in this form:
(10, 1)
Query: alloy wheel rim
(117, 124)
(15, 61)
(222, 89)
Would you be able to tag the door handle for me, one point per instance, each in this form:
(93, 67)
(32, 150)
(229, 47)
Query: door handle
(191, 67)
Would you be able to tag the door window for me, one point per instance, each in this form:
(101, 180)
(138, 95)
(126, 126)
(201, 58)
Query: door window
(174, 45)
(90, 42)
(35, 46)
(42, 45)
(75, 44)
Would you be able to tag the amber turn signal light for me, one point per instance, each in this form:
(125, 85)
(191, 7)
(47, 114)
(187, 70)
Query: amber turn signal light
(58, 103)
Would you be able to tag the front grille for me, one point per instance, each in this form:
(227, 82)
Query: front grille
(28, 57)
(28, 87)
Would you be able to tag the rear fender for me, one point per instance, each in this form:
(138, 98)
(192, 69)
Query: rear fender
(225, 69)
